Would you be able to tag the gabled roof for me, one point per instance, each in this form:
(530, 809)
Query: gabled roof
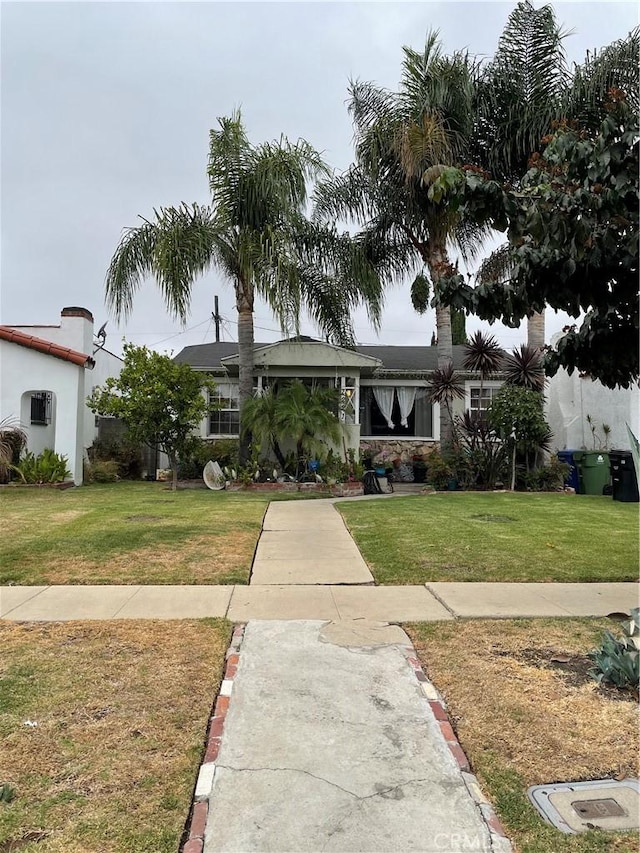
(305, 352)
(216, 355)
(47, 347)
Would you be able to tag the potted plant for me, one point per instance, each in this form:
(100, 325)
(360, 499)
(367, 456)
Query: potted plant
(419, 469)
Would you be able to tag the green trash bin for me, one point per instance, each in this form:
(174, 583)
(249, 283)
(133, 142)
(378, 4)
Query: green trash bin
(593, 469)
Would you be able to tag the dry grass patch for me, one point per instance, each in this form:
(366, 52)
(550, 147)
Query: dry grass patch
(128, 533)
(103, 728)
(525, 719)
(220, 559)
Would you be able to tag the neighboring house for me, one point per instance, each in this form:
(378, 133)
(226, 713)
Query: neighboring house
(383, 388)
(571, 398)
(46, 375)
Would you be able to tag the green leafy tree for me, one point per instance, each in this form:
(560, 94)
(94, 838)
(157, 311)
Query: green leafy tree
(255, 234)
(526, 88)
(161, 402)
(573, 244)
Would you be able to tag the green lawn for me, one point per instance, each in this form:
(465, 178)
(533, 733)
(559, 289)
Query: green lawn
(490, 536)
(127, 533)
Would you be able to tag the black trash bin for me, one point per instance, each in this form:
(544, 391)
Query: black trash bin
(572, 479)
(623, 476)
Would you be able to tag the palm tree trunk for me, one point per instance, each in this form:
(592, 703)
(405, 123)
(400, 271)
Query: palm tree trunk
(244, 304)
(536, 331)
(440, 267)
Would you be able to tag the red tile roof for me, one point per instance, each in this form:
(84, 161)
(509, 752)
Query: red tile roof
(48, 347)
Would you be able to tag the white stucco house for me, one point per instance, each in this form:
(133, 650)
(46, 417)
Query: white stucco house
(384, 388)
(46, 374)
(570, 399)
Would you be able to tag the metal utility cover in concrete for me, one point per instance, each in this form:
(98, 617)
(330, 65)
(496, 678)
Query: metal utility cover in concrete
(577, 806)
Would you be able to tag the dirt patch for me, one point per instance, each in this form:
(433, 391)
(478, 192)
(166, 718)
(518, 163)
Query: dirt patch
(142, 518)
(574, 669)
(542, 717)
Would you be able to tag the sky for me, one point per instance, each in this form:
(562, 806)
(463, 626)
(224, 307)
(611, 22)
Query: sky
(105, 115)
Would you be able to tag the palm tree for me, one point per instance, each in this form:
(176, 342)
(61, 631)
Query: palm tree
(254, 233)
(523, 90)
(404, 141)
(306, 417)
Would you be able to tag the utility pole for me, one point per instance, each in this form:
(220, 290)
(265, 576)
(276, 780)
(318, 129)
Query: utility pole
(216, 318)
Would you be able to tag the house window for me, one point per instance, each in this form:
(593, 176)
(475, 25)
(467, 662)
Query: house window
(41, 408)
(348, 399)
(391, 405)
(224, 414)
(478, 403)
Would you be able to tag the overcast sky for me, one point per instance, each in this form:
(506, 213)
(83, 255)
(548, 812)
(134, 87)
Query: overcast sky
(106, 109)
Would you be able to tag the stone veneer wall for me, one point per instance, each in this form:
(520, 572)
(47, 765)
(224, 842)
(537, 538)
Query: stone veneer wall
(403, 451)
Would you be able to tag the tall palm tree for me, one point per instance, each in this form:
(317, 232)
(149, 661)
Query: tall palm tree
(404, 140)
(523, 90)
(255, 234)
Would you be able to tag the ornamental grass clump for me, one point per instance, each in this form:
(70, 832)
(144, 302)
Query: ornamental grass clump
(617, 661)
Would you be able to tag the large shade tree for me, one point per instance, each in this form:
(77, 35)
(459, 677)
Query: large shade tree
(527, 87)
(403, 141)
(255, 234)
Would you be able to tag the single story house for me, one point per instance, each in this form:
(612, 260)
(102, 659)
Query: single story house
(46, 375)
(383, 388)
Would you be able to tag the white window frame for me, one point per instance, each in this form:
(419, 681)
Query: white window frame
(491, 385)
(225, 391)
(435, 413)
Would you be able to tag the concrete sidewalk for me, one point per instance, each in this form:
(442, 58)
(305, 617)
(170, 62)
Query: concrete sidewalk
(329, 743)
(435, 601)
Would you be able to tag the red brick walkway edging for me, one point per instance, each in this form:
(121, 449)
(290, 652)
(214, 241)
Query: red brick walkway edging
(193, 837)
(499, 838)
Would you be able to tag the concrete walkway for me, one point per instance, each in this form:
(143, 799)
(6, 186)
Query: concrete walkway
(329, 744)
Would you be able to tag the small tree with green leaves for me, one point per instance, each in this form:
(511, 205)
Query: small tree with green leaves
(161, 402)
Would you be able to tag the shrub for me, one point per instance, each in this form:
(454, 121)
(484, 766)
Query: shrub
(438, 471)
(224, 451)
(617, 661)
(47, 467)
(102, 471)
(546, 478)
(125, 453)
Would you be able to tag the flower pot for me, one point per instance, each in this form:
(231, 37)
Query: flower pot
(419, 473)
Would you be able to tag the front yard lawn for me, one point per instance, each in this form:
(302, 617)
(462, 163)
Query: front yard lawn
(524, 719)
(126, 533)
(491, 536)
(103, 727)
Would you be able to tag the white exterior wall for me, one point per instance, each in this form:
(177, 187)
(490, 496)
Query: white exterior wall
(570, 399)
(76, 332)
(23, 371)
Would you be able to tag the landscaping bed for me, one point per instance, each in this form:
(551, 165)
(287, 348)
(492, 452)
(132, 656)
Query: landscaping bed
(526, 713)
(496, 536)
(103, 727)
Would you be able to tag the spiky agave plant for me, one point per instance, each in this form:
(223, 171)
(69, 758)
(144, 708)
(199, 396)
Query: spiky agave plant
(483, 355)
(445, 387)
(13, 439)
(523, 367)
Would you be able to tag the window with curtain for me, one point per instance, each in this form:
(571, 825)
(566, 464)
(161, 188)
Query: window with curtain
(419, 419)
